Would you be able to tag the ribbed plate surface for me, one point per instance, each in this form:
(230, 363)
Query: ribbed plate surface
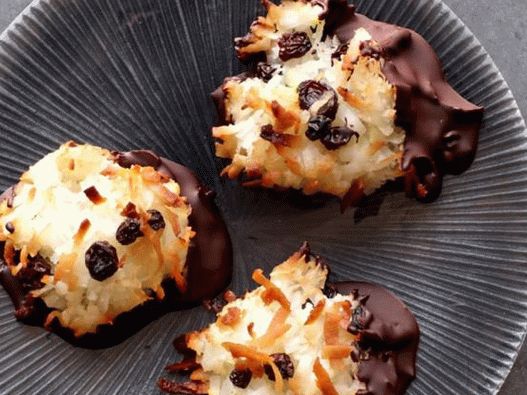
(137, 73)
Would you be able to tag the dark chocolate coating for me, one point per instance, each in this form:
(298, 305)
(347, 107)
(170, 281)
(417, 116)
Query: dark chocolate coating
(442, 128)
(392, 338)
(209, 262)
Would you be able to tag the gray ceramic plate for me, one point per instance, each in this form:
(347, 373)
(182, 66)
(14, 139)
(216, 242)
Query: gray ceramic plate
(136, 73)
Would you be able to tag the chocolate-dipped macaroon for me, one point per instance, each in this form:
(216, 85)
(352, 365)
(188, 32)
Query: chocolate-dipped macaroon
(96, 244)
(339, 104)
(298, 334)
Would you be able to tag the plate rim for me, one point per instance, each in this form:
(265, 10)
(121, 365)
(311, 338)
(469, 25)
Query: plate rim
(488, 58)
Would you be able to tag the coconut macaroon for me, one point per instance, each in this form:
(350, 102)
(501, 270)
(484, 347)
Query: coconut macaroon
(299, 334)
(92, 239)
(288, 336)
(318, 115)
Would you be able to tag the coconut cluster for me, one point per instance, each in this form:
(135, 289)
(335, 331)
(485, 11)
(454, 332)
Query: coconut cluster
(318, 115)
(93, 239)
(287, 336)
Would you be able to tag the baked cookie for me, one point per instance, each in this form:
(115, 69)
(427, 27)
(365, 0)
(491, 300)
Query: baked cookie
(298, 334)
(88, 235)
(339, 104)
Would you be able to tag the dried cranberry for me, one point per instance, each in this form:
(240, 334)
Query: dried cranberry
(240, 43)
(129, 231)
(330, 291)
(338, 137)
(340, 51)
(311, 92)
(360, 320)
(267, 133)
(318, 127)
(156, 220)
(215, 305)
(284, 364)
(241, 378)
(10, 227)
(293, 45)
(130, 211)
(24, 311)
(30, 276)
(101, 260)
(265, 71)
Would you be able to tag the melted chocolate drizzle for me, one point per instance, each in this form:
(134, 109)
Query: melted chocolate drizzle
(442, 128)
(209, 263)
(389, 341)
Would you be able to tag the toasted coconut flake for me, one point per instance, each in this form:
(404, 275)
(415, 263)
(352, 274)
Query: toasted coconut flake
(285, 120)
(24, 254)
(331, 328)
(9, 253)
(324, 383)
(185, 366)
(241, 351)
(93, 194)
(346, 310)
(231, 317)
(198, 375)
(31, 195)
(150, 174)
(250, 330)
(173, 221)
(155, 240)
(50, 318)
(189, 388)
(339, 351)
(229, 296)
(272, 292)
(276, 329)
(81, 232)
(316, 312)
(376, 146)
(351, 99)
(181, 282)
(65, 270)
